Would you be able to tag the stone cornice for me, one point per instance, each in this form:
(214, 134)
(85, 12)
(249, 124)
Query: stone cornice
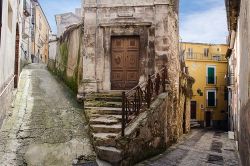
(131, 4)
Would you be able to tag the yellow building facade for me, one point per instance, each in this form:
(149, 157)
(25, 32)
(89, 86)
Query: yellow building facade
(41, 33)
(207, 64)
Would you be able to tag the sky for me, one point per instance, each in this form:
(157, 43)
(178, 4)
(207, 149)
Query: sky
(203, 21)
(53, 7)
(200, 20)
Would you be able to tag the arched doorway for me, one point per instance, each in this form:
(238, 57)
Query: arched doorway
(16, 67)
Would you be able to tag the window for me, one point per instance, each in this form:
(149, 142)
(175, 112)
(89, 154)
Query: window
(206, 50)
(190, 52)
(211, 75)
(217, 57)
(211, 98)
(10, 17)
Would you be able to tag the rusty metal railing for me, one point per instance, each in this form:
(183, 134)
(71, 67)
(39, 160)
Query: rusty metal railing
(140, 97)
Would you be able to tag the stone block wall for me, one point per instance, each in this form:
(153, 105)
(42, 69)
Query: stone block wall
(145, 137)
(154, 21)
(156, 128)
(68, 58)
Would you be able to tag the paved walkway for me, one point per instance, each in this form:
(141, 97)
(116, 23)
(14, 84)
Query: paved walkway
(46, 126)
(201, 148)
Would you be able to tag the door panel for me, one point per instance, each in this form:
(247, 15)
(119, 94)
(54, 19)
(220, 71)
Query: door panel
(125, 62)
(208, 119)
(117, 60)
(132, 60)
(193, 109)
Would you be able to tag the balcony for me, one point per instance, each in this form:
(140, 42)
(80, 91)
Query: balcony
(26, 8)
(209, 57)
(230, 79)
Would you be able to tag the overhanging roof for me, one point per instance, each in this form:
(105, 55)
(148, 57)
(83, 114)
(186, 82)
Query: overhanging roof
(233, 10)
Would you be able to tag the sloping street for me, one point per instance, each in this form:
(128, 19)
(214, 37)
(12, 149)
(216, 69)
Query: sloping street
(46, 125)
(200, 148)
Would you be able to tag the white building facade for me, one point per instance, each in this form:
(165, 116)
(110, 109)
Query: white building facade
(239, 74)
(9, 53)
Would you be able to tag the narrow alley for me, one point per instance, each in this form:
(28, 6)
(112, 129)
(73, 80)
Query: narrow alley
(46, 125)
(124, 82)
(200, 148)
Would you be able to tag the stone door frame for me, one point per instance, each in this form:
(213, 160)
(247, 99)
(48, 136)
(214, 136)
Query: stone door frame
(126, 29)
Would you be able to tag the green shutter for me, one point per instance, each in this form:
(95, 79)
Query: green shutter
(211, 99)
(210, 75)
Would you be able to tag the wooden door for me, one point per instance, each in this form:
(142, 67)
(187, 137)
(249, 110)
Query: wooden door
(193, 109)
(125, 62)
(208, 118)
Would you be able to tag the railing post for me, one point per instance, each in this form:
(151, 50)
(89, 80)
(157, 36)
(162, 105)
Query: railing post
(148, 93)
(123, 113)
(157, 84)
(164, 79)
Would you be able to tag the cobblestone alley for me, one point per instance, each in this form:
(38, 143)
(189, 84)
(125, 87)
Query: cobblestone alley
(200, 148)
(46, 126)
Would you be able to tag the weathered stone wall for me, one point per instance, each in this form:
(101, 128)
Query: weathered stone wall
(68, 58)
(154, 21)
(243, 79)
(146, 136)
(157, 128)
(64, 20)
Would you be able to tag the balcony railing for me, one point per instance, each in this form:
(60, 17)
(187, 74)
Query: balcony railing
(230, 79)
(199, 56)
(26, 8)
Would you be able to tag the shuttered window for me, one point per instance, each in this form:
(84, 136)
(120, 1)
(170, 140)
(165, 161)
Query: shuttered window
(211, 98)
(206, 50)
(211, 75)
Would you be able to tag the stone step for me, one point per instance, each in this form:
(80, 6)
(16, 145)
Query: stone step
(109, 154)
(107, 120)
(194, 125)
(118, 117)
(105, 98)
(103, 104)
(193, 120)
(115, 96)
(104, 139)
(116, 128)
(105, 110)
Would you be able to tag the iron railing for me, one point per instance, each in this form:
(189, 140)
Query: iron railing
(199, 56)
(140, 97)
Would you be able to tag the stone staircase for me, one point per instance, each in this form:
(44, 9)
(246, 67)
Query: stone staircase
(104, 113)
(194, 123)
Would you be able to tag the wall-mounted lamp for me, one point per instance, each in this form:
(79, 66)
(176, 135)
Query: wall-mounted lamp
(200, 92)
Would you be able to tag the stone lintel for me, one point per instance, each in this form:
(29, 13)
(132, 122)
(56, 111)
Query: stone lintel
(119, 24)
